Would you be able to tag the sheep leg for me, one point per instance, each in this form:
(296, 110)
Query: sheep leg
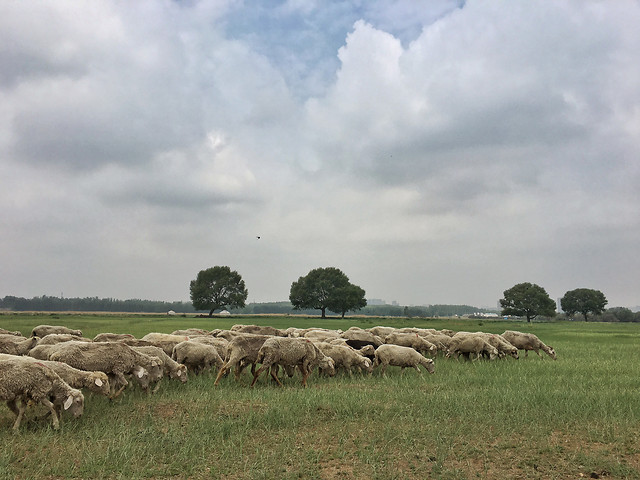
(418, 369)
(13, 407)
(54, 413)
(258, 372)
(121, 378)
(274, 374)
(305, 375)
(157, 386)
(225, 368)
(21, 408)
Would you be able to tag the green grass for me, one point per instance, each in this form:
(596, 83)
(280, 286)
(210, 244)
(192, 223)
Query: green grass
(527, 418)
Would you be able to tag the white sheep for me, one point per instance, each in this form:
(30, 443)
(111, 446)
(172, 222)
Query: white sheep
(166, 341)
(291, 352)
(21, 381)
(469, 345)
(196, 356)
(170, 367)
(112, 337)
(15, 333)
(15, 345)
(399, 356)
(528, 341)
(113, 358)
(53, 338)
(242, 350)
(412, 340)
(346, 357)
(42, 330)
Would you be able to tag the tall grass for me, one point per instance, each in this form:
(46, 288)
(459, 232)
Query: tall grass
(527, 418)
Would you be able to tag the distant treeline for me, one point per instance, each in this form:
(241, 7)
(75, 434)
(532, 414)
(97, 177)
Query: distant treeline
(94, 304)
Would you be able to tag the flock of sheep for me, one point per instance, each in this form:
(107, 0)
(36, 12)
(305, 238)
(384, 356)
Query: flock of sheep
(53, 365)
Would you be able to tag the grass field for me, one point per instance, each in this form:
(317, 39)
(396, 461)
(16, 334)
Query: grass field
(577, 417)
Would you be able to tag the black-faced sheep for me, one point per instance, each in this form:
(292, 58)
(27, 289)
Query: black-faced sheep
(528, 341)
(399, 356)
(291, 352)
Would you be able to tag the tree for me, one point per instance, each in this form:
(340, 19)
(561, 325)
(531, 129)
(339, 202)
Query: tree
(216, 288)
(324, 288)
(345, 299)
(584, 301)
(527, 300)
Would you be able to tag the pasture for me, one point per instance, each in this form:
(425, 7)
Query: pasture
(533, 418)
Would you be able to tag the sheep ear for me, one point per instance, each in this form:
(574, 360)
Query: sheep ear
(98, 382)
(140, 373)
(68, 402)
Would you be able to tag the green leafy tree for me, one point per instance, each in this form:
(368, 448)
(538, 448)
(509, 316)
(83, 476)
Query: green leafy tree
(217, 288)
(346, 299)
(324, 288)
(527, 300)
(584, 301)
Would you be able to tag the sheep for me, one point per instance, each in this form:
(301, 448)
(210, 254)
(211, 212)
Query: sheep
(441, 341)
(9, 332)
(97, 382)
(243, 347)
(112, 337)
(218, 342)
(528, 341)
(259, 330)
(291, 352)
(165, 341)
(399, 356)
(42, 330)
(381, 331)
(190, 331)
(196, 356)
(169, 366)
(21, 381)
(53, 338)
(17, 346)
(320, 335)
(358, 338)
(345, 357)
(412, 340)
(472, 344)
(113, 358)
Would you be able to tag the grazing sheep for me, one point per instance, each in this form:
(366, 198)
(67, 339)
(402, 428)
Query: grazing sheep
(469, 345)
(53, 338)
(113, 358)
(196, 356)
(242, 350)
(42, 330)
(165, 341)
(259, 330)
(17, 346)
(218, 342)
(345, 357)
(291, 352)
(412, 340)
(97, 382)
(190, 331)
(21, 381)
(528, 341)
(169, 366)
(381, 331)
(113, 337)
(321, 335)
(441, 341)
(9, 332)
(399, 356)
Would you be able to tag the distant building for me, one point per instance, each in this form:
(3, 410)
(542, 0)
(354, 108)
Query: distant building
(559, 306)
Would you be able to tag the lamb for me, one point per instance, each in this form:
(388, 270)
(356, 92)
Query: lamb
(21, 381)
(113, 358)
(53, 338)
(345, 357)
(528, 341)
(97, 382)
(399, 356)
(112, 337)
(243, 347)
(17, 346)
(291, 352)
(197, 356)
(169, 366)
(42, 330)
(412, 340)
(472, 344)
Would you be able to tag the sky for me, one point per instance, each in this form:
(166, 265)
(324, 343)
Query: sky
(437, 152)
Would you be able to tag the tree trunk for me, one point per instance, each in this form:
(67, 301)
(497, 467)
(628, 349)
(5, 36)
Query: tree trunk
(211, 312)
(322, 310)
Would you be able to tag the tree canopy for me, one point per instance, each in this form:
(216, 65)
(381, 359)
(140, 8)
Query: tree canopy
(583, 301)
(527, 300)
(324, 288)
(216, 288)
